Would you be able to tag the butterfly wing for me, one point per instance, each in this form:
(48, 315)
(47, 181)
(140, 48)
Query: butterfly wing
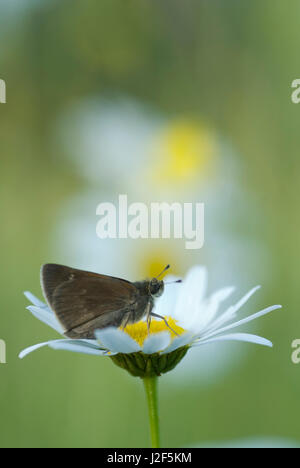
(84, 301)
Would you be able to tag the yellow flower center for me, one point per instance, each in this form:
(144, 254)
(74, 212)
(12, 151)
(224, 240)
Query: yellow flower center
(152, 262)
(139, 331)
(183, 153)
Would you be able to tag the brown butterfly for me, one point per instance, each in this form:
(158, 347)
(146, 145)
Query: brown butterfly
(84, 302)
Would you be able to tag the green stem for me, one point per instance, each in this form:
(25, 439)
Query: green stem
(150, 384)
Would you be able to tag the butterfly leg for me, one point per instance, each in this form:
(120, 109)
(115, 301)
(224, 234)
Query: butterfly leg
(163, 318)
(148, 316)
(125, 321)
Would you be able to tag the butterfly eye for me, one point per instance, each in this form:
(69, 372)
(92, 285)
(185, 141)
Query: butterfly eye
(155, 287)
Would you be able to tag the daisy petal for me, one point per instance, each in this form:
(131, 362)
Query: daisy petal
(210, 307)
(35, 301)
(191, 294)
(165, 305)
(222, 294)
(77, 346)
(230, 313)
(242, 322)
(48, 318)
(246, 298)
(80, 346)
(93, 343)
(247, 337)
(117, 341)
(29, 350)
(178, 342)
(156, 342)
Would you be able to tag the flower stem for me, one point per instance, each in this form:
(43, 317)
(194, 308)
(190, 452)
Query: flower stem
(150, 384)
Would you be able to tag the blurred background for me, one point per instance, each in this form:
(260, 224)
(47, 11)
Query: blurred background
(163, 101)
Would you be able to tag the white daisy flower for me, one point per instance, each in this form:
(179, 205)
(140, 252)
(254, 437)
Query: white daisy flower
(195, 320)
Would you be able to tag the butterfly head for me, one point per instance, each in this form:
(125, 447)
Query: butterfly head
(156, 287)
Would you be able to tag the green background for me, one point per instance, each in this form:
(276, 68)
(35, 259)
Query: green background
(232, 62)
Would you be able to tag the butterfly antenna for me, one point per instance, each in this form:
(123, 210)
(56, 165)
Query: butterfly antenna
(164, 270)
(174, 282)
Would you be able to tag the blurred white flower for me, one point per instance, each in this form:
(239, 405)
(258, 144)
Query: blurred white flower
(195, 319)
(109, 143)
(128, 147)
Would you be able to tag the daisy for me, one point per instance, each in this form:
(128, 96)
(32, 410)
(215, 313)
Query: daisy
(195, 320)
